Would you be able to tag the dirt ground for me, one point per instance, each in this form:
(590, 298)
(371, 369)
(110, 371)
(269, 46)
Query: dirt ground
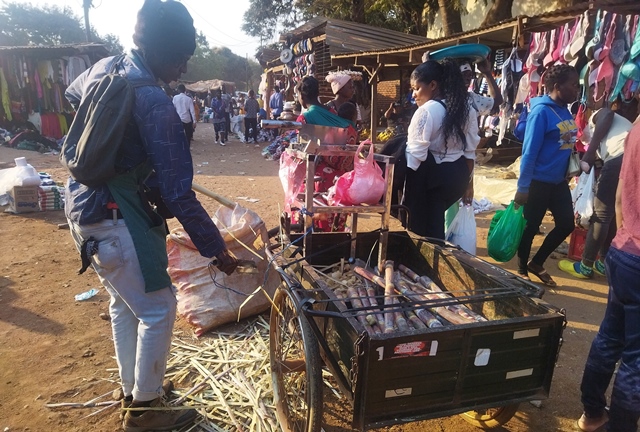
(56, 349)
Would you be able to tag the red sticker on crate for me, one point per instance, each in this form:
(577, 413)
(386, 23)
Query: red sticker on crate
(417, 348)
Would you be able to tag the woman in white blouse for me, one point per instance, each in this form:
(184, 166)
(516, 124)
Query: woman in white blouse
(441, 144)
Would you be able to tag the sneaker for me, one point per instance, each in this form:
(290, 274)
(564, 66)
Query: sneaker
(599, 268)
(216, 141)
(592, 424)
(125, 402)
(158, 420)
(575, 269)
(222, 143)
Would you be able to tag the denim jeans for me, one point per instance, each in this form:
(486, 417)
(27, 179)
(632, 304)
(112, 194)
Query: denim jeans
(617, 340)
(142, 323)
(603, 224)
(543, 196)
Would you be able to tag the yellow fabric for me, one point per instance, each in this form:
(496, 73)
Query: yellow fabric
(6, 101)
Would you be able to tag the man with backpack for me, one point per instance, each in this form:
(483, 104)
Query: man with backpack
(112, 223)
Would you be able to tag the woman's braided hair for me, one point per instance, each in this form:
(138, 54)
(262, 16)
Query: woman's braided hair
(558, 74)
(446, 74)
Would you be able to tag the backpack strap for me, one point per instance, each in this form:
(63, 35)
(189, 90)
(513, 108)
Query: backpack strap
(136, 82)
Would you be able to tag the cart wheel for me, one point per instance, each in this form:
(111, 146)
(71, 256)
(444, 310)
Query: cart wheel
(296, 371)
(491, 418)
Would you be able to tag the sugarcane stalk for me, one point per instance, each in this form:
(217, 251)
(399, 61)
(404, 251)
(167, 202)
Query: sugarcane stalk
(371, 292)
(432, 287)
(459, 309)
(415, 322)
(413, 276)
(400, 320)
(352, 294)
(428, 318)
(370, 276)
(452, 317)
(389, 291)
(366, 302)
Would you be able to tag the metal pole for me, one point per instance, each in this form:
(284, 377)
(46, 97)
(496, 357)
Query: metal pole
(86, 4)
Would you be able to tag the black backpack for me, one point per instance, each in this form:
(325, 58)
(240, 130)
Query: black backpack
(91, 148)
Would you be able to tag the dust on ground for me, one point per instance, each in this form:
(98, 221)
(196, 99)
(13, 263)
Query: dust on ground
(55, 349)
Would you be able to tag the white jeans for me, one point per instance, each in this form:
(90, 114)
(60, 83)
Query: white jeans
(142, 322)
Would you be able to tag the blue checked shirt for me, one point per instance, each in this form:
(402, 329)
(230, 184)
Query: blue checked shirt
(155, 134)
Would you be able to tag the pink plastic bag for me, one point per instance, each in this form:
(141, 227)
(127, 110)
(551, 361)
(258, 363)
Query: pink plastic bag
(292, 173)
(363, 185)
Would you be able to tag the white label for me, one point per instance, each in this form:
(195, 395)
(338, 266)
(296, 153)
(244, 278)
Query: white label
(519, 373)
(522, 334)
(380, 353)
(482, 357)
(397, 392)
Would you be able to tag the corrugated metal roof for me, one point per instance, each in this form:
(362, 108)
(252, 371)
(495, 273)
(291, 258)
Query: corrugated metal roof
(346, 36)
(57, 50)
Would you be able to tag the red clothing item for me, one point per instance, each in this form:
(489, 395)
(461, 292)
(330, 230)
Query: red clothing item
(628, 236)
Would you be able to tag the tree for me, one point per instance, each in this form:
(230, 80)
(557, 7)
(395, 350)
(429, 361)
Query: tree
(220, 63)
(500, 10)
(264, 16)
(408, 16)
(24, 24)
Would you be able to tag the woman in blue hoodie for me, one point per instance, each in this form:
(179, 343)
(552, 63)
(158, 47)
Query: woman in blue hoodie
(548, 141)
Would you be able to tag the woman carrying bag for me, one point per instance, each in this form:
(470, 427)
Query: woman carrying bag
(549, 140)
(441, 143)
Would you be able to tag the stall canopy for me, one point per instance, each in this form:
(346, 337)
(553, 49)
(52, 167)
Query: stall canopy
(94, 51)
(343, 36)
(210, 85)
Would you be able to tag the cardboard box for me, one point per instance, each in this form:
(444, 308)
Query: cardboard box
(23, 199)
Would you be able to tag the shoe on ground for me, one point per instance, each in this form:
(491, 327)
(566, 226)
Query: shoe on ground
(599, 268)
(222, 143)
(575, 269)
(592, 424)
(157, 420)
(216, 141)
(125, 402)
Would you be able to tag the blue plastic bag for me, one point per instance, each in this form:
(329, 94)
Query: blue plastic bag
(505, 233)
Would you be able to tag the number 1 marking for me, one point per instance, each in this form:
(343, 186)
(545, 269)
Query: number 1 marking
(380, 353)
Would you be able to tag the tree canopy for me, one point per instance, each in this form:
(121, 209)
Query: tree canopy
(220, 63)
(23, 24)
(265, 17)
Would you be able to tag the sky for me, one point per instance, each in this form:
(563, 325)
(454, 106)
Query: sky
(219, 20)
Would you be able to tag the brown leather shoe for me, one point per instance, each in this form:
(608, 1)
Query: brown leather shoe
(157, 420)
(118, 394)
(592, 424)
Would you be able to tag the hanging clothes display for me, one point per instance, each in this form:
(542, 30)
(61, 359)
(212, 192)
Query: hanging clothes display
(607, 55)
(32, 87)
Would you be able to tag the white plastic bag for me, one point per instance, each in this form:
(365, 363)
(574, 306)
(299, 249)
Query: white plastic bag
(583, 196)
(462, 230)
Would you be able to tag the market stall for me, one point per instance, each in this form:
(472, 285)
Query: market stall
(33, 80)
(308, 50)
(511, 42)
(203, 87)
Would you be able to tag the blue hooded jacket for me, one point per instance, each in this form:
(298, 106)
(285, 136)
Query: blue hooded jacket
(549, 139)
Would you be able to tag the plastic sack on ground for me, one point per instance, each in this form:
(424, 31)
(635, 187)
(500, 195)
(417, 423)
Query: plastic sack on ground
(364, 185)
(292, 172)
(205, 304)
(462, 230)
(583, 196)
(505, 233)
